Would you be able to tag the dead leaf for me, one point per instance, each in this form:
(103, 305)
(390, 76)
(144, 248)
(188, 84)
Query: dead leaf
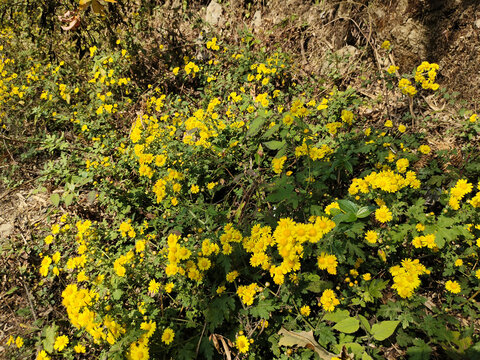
(303, 339)
(97, 7)
(84, 4)
(214, 338)
(71, 18)
(226, 348)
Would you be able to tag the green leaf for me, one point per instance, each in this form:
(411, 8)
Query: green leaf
(348, 217)
(365, 323)
(364, 211)
(348, 325)
(49, 340)
(68, 199)
(376, 286)
(336, 316)
(365, 356)
(274, 144)
(55, 199)
(218, 310)
(303, 339)
(352, 347)
(384, 329)
(420, 351)
(263, 309)
(347, 206)
(256, 125)
(117, 294)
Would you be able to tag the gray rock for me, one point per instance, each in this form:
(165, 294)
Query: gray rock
(6, 230)
(214, 14)
(257, 20)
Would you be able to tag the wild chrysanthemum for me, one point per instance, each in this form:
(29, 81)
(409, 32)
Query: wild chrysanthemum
(60, 342)
(383, 214)
(453, 286)
(242, 343)
(168, 335)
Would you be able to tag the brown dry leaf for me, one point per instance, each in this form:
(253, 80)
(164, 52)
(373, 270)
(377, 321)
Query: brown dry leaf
(226, 348)
(84, 4)
(214, 338)
(97, 7)
(71, 18)
(303, 339)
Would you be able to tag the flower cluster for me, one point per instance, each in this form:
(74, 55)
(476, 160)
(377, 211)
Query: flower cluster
(427, 241)
(328, 300)
(246, 293)
(406, 277)
(406, 87)
(386, 180)
(426, 74)
(461, 188)
(327, 262)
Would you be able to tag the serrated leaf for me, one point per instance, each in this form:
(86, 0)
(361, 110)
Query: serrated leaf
(55, 199)
(263, 309)
(274, 144)
(384, 329)
(303, 339)
(420, 351)
(348, 325)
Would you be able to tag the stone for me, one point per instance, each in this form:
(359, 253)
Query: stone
(6, 230)
(257, 20)
(214, 14)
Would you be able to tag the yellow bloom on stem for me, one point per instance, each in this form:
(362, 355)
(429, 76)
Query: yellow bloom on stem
(424, 149)
(386, 45)
(19, 342)
(168, 335)
(371, 236)
(453, 286)
(153, 286)
(242, 344)
(329, 300)
(383, 214)
(60, 342)
(169, 287)
(80, 349)
(305, 310)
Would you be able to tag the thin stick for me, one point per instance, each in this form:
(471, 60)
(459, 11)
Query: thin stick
(29, 300)
(200, 340)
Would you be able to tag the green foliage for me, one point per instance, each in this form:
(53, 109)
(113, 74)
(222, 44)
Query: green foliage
(226, 203)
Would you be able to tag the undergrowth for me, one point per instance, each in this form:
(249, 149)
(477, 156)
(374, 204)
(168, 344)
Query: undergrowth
(232, 206)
